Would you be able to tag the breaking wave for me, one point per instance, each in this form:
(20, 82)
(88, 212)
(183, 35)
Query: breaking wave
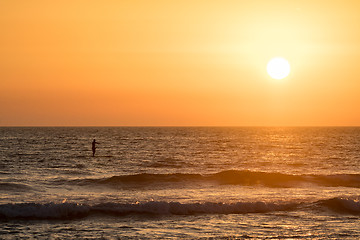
(234, 177)
(342, 205)
(73, 210)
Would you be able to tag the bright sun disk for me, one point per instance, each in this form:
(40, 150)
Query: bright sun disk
(278, 68)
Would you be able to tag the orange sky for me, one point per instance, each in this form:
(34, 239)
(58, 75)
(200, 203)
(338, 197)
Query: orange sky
(178, 63)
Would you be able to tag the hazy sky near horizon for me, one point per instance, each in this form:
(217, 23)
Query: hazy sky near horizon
(178, 63)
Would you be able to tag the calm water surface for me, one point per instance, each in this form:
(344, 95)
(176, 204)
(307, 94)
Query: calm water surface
(180, 183)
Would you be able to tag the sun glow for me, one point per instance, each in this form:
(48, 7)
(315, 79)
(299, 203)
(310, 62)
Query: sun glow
(278, 68)
(179, 63)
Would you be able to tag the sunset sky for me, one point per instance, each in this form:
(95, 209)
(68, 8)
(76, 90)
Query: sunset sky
(178, 63)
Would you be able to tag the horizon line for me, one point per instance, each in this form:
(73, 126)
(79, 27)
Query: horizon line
(181, 126)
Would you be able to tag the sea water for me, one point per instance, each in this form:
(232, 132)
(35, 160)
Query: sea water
(181, 182)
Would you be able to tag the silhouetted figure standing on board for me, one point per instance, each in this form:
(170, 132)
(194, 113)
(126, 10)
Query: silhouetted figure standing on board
(94, 142)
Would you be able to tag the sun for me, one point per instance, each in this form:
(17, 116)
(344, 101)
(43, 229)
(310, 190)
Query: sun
(278, 68)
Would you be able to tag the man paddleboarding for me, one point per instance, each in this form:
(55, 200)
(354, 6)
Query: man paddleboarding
(94, 142)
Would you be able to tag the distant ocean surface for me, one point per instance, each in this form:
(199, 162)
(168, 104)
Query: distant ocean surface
(181, 182)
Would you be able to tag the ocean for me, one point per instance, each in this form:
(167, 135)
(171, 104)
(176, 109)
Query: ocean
(180, 182)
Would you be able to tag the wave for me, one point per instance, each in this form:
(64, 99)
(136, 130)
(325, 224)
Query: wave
(342, 205)
(4, 186)
(73, 210)
(234, 177)
(286, 180)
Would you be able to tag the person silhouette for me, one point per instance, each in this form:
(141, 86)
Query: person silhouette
(94, 142)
